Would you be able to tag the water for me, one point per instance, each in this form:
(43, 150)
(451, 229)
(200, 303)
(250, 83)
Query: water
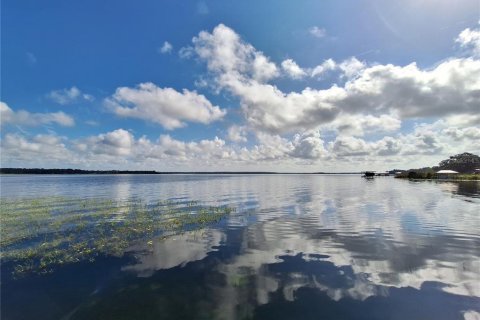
(297, 247)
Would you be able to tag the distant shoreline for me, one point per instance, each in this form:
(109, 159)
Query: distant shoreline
(419, 176)
(84, 172)
(445, 180)
(463, 177)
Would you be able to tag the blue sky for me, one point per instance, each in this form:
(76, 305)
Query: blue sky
(239, 85)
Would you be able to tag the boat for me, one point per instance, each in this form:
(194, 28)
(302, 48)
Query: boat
(368, 174)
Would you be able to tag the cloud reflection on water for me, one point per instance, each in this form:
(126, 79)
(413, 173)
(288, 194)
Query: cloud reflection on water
(348, 240)
(334, 242)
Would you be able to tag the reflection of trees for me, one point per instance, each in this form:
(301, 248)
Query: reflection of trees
(464, 188)
(469, 188)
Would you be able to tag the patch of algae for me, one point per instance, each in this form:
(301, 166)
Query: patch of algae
(39, 235)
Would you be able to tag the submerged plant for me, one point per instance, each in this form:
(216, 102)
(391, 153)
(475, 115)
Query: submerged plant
(39, 235)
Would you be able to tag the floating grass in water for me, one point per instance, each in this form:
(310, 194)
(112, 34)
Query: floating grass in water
(39, 235)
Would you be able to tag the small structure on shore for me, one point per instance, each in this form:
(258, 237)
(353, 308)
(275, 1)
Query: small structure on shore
(446, 174)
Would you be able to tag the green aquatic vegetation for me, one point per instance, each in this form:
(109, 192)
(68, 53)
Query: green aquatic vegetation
(39, 235)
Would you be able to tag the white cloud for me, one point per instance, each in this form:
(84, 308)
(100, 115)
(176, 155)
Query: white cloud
(308, 145)
(351, 67)
(450, 88)
(407, 91)
(225, 53)
(117, 143)
(292, 69)
(471, 315)
(470, 39)
(327, 65)
(387, 146)
(263, 69)
(350, 146)
(437, 140)
(462, 120)
(40, 149)
(339, 122)
(268, 108)
(25, 118)
(165, 106)
(317, 32)
(68, 96)
(186, 52)
(165, 48)
(237, 133)
(426, 145)
(269, 148)
(210, 152)
(361, 124)
(458, 134)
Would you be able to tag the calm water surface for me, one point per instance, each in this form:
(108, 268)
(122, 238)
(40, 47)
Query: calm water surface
(297, 247)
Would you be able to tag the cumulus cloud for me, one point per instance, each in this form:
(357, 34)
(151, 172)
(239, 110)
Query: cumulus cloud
(350, 146)
(40, 149)
(268, 108)
(225, 53)
(354, 148)
(269, 147)
(292, 69)
(437, 139)
(237, 133)
(25, 118)
(348, 68)
(208, 150)
(428, 143)
(472, 133)
(321, 69)
(452, 87)
(68, 96)
(164, 106)
(317, 32)
(186, 52)
(117, 143)
(290, 129)
(359, 125)
(113, 148)
(470, 39)
(165, 48)
(308, 145)
(232, 61)
(351, 67)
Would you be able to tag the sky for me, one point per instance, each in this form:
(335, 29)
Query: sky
(214, 85)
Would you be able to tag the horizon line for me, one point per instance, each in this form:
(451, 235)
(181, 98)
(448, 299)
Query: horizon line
(116, 171)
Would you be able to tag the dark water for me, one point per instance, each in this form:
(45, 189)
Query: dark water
(297, 247)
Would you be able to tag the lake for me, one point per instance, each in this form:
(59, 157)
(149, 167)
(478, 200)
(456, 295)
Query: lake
(238, 247)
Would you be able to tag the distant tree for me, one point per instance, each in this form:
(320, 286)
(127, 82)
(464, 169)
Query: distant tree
(463, 163)
(412, 175)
